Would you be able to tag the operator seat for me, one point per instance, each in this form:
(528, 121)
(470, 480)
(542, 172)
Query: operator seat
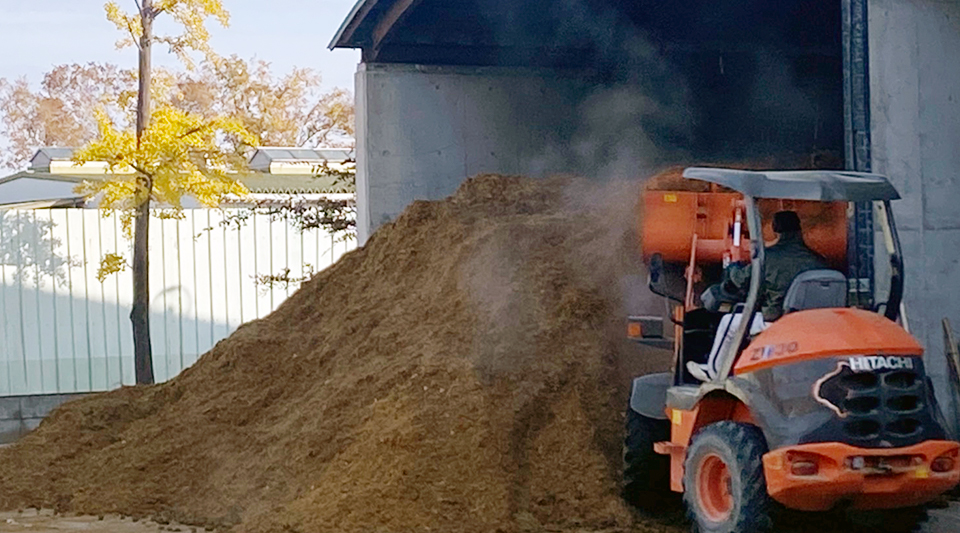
(812, 289)
(816, 289)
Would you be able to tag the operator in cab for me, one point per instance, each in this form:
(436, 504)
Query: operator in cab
(785, 260)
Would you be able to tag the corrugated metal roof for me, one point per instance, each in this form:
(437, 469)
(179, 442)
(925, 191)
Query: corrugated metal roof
(295, 184)
(257, 183)
(259, 161)
(57, 154)
(263, 157)
(45, 204)
(43, 157)
(44, 176)
(306, 154)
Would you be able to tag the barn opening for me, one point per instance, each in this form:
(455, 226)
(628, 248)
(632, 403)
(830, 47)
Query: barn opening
(595, 87)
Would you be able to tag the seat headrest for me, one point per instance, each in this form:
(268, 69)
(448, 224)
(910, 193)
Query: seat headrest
(816, 289)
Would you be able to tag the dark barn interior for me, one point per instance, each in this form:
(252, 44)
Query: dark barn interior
(754, 78)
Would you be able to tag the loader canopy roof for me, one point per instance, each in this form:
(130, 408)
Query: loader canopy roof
(817, 185)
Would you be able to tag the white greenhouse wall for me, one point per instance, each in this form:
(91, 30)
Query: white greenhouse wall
(63, 331)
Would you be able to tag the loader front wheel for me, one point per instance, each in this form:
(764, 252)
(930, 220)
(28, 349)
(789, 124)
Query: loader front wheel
(724, 488)
(646, 474)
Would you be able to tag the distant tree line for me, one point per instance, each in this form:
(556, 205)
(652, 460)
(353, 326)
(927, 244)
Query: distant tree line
(278, 110)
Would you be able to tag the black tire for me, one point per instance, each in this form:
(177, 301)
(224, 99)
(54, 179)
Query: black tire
(646, 474)
(721, 449)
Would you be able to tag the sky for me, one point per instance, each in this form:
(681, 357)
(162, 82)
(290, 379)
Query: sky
(39, 34)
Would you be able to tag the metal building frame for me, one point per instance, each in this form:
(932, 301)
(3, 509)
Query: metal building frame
(856, 107)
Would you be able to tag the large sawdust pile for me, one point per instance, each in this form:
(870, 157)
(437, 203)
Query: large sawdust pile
(464, 371)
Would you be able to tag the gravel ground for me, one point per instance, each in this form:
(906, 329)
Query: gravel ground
(941, 521)
(47, 522)
(944, 520)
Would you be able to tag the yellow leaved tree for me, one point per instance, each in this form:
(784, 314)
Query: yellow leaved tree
(171, 153)
(179, 154)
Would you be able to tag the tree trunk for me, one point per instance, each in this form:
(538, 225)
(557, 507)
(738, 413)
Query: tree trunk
(140, 315)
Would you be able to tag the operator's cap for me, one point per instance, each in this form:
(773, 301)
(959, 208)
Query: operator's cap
(786, 221)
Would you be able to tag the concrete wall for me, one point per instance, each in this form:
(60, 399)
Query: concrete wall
(915, 86)
(21, 414)
(422, 130)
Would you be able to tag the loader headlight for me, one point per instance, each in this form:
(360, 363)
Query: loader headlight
(803, 464)
(944, 463)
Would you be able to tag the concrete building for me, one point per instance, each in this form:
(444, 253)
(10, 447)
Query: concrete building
(915, 139)
(448, 89)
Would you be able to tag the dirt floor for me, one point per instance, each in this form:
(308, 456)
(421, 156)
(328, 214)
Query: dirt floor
(46, 521)
(945, 520)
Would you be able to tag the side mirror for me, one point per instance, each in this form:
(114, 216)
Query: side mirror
(665, 280)
(655, 277)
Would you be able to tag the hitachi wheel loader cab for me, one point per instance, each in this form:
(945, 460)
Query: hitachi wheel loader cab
(827, 406)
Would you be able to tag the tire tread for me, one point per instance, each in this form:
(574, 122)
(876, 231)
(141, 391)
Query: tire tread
(747, 445)
(646, 474)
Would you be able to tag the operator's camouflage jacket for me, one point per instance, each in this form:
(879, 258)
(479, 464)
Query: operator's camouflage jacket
(786, 259)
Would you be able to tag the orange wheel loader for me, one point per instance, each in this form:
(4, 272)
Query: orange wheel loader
(828, 406)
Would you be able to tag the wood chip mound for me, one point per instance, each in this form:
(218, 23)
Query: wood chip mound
(464, 371)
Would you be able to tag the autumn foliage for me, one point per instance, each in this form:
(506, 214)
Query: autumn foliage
(179, 152)
(189, 15)
(290, 109)
(62, 111)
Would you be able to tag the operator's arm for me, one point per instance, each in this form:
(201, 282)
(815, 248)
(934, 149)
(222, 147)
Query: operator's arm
(738, 275)
(730, 290)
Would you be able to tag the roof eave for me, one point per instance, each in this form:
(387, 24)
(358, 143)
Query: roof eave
(345, 35)
(46, 176)
(49, 203)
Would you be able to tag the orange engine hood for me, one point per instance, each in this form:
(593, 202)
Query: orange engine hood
(826, 333)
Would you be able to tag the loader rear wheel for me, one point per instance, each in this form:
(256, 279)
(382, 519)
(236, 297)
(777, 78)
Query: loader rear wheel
(646, 474)
(724, 489)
